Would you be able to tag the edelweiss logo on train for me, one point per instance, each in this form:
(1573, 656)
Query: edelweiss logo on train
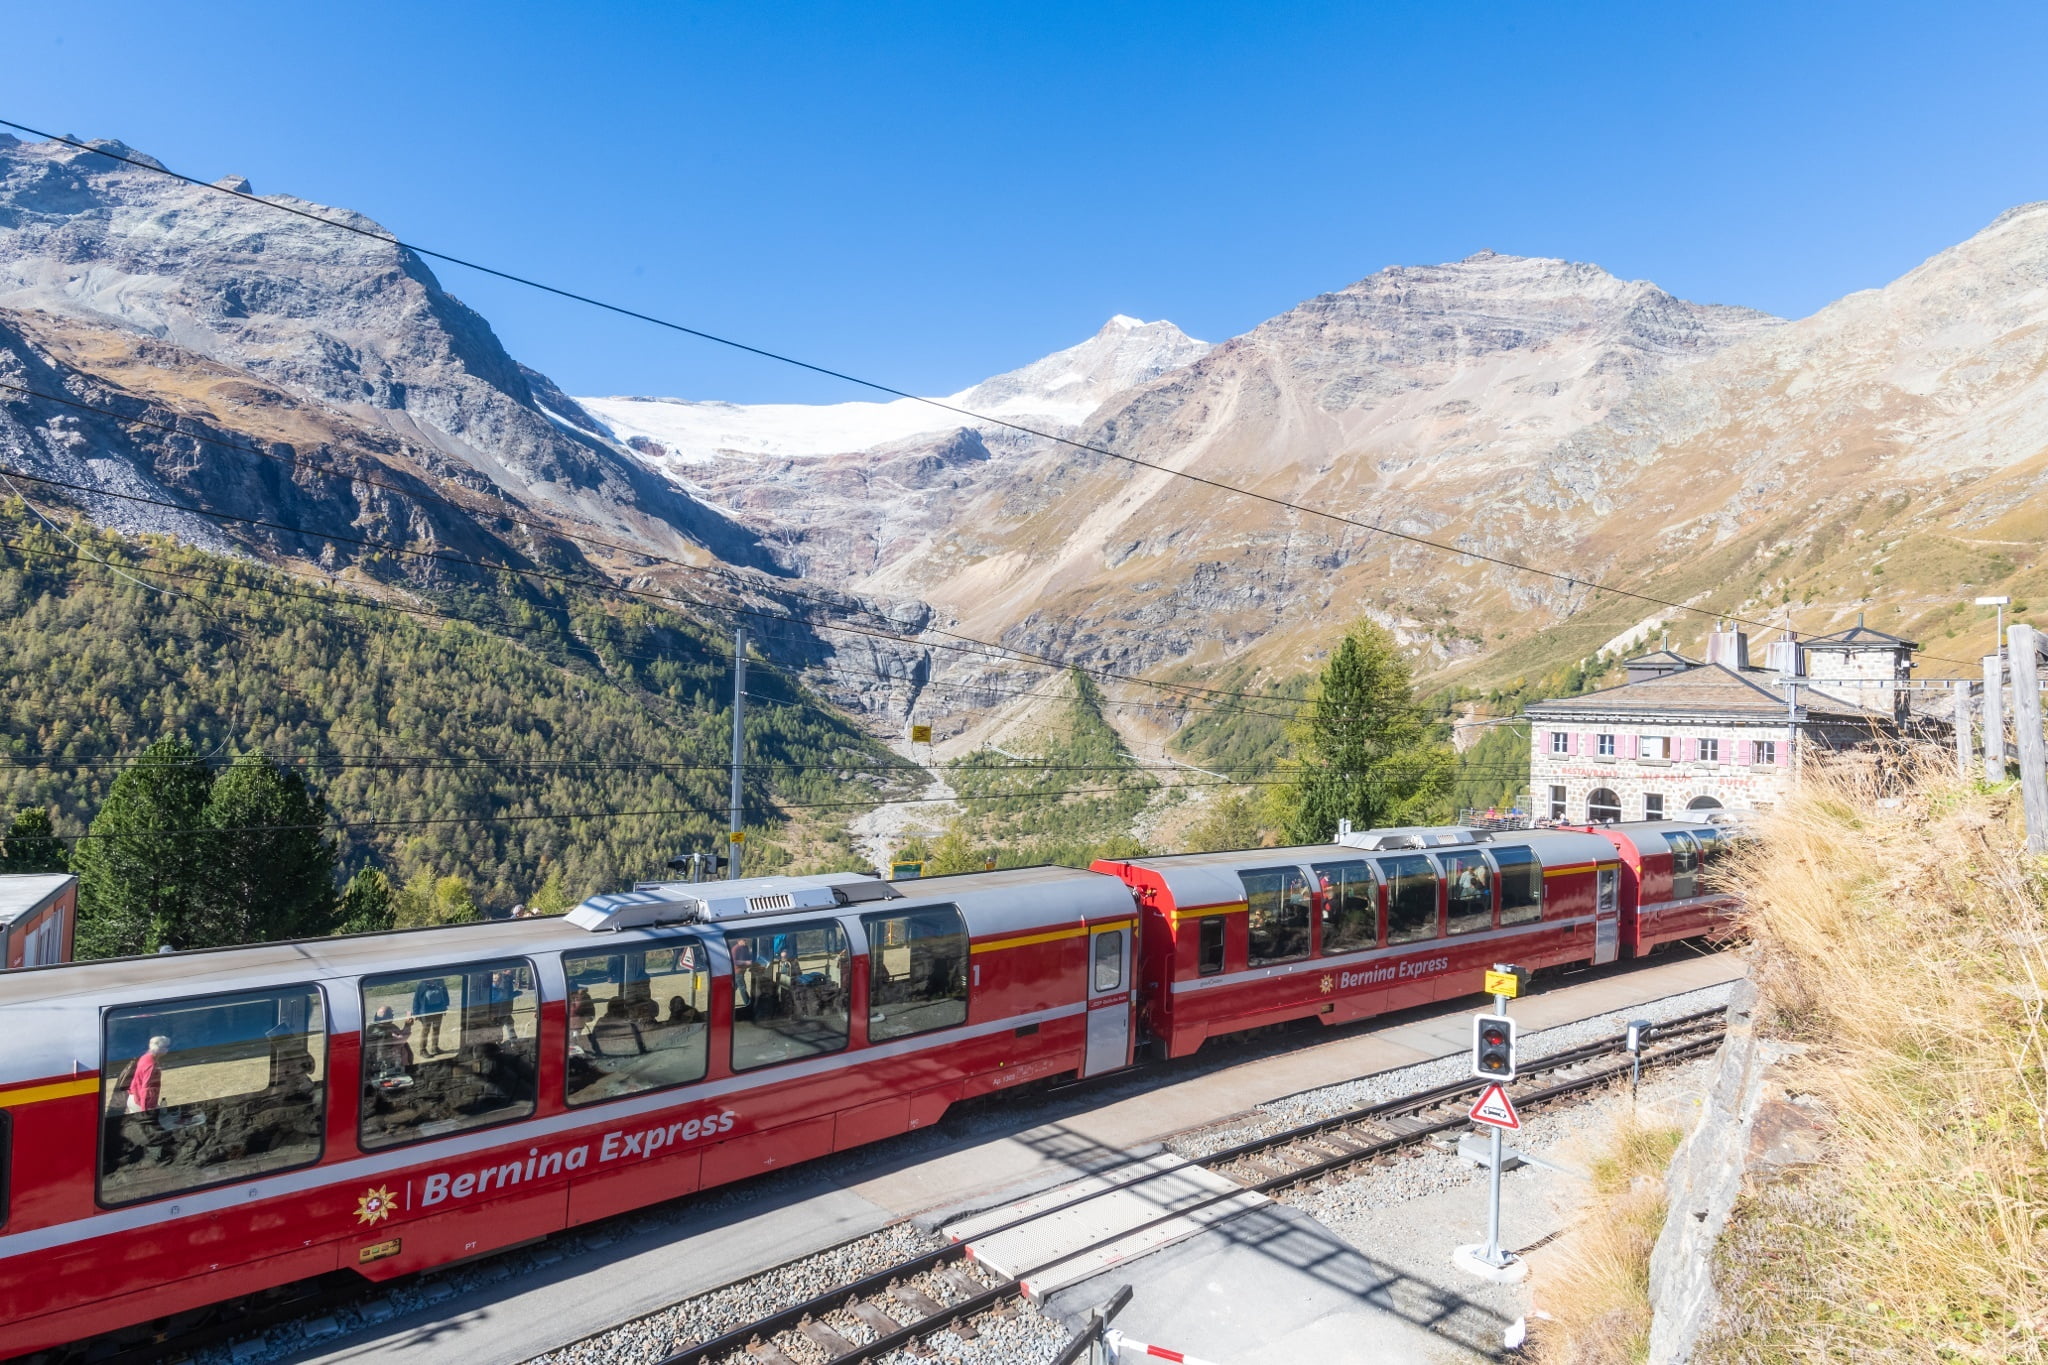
(615, 1146)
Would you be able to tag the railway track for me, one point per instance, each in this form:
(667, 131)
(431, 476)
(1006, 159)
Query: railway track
(896, 1308)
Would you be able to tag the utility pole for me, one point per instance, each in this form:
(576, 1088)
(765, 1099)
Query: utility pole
(735, 839)
(2026, 725)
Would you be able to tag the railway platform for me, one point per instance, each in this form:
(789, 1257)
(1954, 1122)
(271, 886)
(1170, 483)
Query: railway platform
(994, 1154)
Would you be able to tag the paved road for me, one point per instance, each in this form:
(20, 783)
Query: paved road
(974, 1157)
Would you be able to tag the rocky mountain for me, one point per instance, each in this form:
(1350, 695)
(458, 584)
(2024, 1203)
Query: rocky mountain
(121, 285)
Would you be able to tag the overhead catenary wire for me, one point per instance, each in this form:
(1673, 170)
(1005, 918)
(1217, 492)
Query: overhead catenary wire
(1570, 579)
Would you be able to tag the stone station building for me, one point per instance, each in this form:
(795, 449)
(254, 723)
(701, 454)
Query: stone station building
(1681, 737)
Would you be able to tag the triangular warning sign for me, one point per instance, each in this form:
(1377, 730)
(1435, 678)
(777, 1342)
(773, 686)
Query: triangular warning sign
(1493, 1108)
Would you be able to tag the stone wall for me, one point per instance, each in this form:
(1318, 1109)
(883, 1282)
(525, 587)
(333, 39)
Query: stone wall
(1750, 1128)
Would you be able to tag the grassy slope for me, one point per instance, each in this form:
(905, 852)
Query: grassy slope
(1904, 946)
(97, 665)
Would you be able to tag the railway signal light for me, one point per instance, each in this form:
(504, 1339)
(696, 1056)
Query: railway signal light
(1493, 1047)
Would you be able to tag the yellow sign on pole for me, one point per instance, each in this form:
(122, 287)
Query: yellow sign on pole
(920, 734)
(738, 836)
(1503, 983)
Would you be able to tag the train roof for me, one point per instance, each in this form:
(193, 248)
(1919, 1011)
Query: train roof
(1000, 901)
(1197, 879)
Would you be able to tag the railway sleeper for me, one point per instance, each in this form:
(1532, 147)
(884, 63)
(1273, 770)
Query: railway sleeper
(871, 1316)
(827, 1340)
(919, 1302)
(768, 1353)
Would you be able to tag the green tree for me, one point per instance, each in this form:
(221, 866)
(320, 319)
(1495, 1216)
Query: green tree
(1365, 752)
(31, 844)
(553, 897)
(273, 874)
(369, 904)
(425, 900)
(146, 866)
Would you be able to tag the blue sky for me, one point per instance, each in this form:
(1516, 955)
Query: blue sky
(932, 193)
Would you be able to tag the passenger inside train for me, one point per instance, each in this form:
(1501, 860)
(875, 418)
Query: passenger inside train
(490, 1074)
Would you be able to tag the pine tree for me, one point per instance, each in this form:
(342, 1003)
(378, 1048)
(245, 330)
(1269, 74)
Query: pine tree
(1365, 753)
(273, 870)
(425, 900)
(31, 844)
(145, 867)
(369, 904)
(553, 897)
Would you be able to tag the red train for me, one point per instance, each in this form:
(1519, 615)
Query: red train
(184, 1129)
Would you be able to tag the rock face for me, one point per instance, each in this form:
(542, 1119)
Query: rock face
(1749, 1130)
(196, 286)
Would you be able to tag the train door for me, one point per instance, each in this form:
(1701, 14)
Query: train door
(1112, 1004)
(1607, 914)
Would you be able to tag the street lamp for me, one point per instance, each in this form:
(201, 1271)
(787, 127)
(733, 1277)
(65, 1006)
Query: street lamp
(2001, 603)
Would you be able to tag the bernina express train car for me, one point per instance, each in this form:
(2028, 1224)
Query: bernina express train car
(1378, 921)
(183, 1129)
(1663, 882)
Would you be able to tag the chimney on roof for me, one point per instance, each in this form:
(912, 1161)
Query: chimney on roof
(1728, 648)
(1787, 657)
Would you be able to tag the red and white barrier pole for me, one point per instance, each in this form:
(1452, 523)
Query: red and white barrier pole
(1123, 1348)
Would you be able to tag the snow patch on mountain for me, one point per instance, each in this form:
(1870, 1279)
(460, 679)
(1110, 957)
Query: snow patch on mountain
(1058, 392)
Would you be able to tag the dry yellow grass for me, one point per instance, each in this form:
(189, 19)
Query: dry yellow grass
(1901, 933)
(1596, 1285)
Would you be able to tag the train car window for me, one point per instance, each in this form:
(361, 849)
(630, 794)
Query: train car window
(1109, 960)
(1209, 946)
(1411, 898)
(639, 1019)
(1470, 892)
(1278, 900)
(917, 972)
(477, 1062)
(1351, 906)
(1521, 885)
(205, 1091)
(788, 993)
(1685, 865)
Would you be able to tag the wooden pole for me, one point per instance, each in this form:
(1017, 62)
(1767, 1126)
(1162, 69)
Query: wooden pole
(2025, 644)
(1962, 722)
(1994, 717)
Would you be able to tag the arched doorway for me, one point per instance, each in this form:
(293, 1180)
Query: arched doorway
(1703, 803)
(1603, 807)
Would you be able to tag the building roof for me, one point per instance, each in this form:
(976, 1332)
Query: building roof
(1661, 658)
(23, 893)
(1707, 690)
(1858, 636)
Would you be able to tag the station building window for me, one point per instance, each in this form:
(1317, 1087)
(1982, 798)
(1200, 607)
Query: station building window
(1653, 806)
(1351, 906)
(1603, 807)
(1209, 946)
(477, 1059)
(917, 972)
(1560, 742)
(1764, 752)
(1710, 750)
(1606, 746)
(788, 993)
(1411, 899)
(1521, 885)
(639, 1019)
(1468, 890)
(1557, 803)
(208, 1091)
(1653, 746)
(1278, 901)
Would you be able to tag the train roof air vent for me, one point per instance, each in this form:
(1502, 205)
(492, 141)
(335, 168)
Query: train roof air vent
(652, 903)
(1411, 836)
